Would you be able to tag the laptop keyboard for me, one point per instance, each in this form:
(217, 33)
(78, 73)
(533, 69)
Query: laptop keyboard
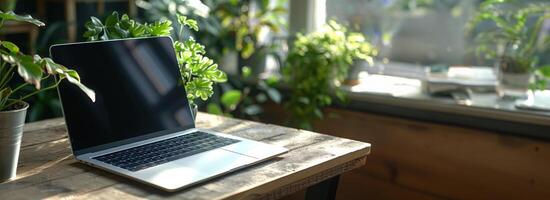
(156, 153)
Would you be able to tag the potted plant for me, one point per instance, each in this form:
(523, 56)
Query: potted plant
(34, 70)
(316, 66)
(513, 41)
(198, 72)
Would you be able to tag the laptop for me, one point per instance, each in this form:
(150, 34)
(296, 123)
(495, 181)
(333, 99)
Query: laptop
(140, 125)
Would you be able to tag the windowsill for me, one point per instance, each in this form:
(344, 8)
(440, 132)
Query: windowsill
(398, 95)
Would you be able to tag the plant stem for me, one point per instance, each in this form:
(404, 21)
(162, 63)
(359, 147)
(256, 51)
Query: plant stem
(36, 92)
(26, 83)
(20, 86)
(7, 76)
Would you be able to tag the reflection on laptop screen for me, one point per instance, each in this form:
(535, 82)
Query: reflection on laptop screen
(137, 86)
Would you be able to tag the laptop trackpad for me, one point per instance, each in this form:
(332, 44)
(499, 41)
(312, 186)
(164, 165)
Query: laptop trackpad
(195, 168)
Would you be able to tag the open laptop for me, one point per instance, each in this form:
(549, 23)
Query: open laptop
(140, 125)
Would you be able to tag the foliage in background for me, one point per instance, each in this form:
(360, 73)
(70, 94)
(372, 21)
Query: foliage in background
(197, 71)
(316, 66)
(211, 34)
(514, 36)
(228, 25)
(249, 21)
(33, 69)
(244, 100)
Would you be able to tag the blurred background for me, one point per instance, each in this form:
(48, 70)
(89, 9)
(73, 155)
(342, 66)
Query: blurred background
(405, 33)
(452, 94)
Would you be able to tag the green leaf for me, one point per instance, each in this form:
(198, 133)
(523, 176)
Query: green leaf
(247, 50)
(545, 71)
(52, 67)
(246, 71)
(183, 20)
(264, 4)
(231, 98)
(213, 108)
(11, 59)
(10, 46)
(200, 88)
(112, 20)
(29, 70)
(161, 28)
(272, 81)
(137, 30)
(90, 35)
(96, 22)
(74, 78)
(71, 76)
(538, 84)
(216, 75)
(274, 95)
(24, 18)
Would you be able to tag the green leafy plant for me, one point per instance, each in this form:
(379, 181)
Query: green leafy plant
(317, 65)
(198, 72)
(511, 34)
(33, 69)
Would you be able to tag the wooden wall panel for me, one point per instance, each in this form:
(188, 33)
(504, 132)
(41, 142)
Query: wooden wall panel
(421, 160)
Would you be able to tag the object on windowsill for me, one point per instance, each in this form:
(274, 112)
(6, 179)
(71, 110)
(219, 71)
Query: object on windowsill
(443, 79)
(387, 85)
(537, 101)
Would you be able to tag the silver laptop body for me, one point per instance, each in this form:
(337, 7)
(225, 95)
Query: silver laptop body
(100, 129)
(194, 169)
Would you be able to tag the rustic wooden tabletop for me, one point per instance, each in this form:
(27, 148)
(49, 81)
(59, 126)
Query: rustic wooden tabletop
(47, 169)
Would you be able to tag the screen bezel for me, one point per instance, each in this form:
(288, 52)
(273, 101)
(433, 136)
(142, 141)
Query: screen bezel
(76, 151)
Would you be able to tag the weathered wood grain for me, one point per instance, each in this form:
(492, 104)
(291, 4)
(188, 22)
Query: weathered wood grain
(44, 131)
(47, 169)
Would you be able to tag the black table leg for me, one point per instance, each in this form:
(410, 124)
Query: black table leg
(323, 190)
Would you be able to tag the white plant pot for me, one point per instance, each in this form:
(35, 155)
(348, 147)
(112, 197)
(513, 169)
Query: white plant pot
(513, 85)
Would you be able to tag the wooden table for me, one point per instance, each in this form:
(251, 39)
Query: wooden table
(47, 169)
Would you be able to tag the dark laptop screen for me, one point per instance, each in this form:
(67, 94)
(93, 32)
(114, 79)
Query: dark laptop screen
(138, 91)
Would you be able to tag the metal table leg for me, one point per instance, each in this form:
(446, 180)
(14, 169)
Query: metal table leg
(324, 190)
